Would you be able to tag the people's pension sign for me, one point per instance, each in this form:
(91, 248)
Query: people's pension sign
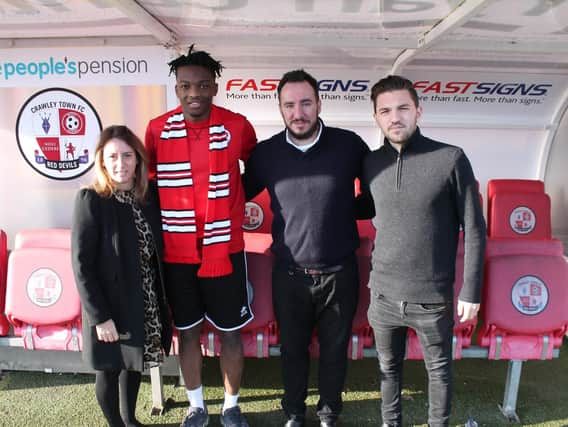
(57, 130)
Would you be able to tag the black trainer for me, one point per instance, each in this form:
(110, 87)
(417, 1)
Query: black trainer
(196, 417)
(233, 417)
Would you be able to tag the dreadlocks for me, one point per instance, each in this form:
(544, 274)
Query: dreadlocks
(200, 58)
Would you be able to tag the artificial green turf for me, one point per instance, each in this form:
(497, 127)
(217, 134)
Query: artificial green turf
(40, 399)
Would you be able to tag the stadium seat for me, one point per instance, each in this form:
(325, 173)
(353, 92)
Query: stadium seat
(519, 216)
(513, 185)
(503, 246)
(525, 295)
(258, 215)
(523, 188)
(261, 332)
(362, 334)
(524, 310)
(42, 302)
(462, 331)
(45, 238)
(4, 324)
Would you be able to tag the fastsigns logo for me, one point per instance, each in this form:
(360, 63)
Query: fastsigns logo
(269, 85)
(481, 88)
(57, 130)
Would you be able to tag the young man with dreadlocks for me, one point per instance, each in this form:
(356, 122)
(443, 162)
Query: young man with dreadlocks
(194, 152)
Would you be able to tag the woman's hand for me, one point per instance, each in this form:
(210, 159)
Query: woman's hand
(106, 331)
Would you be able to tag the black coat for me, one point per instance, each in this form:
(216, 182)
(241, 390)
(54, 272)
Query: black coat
(104, 249)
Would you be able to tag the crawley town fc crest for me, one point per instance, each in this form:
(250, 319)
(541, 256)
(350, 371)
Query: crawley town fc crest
(254, 216)
(529, 295)
(522, 220)
(57, 130)
(44, 287)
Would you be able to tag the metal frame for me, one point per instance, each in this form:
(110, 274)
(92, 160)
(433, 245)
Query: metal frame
(162, 33)
(459, 16)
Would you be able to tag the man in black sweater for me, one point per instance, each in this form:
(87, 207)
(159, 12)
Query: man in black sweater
(424, 191)
(309, 170)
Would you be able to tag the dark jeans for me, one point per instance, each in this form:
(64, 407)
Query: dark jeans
(303, 302)
(433, 324)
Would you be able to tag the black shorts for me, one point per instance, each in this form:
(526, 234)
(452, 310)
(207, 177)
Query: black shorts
(223, 301)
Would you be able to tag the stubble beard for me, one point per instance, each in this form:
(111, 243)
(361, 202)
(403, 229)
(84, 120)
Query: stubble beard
(304, 135)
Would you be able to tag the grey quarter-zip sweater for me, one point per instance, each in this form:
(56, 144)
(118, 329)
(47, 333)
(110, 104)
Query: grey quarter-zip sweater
(422, 197)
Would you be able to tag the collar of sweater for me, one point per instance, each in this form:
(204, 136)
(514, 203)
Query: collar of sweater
(411, 145)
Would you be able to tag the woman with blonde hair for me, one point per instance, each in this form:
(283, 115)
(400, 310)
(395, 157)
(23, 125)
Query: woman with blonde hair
(116, 245)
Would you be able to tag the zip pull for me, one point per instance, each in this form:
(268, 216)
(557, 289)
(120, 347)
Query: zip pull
(398, 170)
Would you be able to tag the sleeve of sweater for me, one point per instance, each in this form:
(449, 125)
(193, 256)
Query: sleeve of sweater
(85, 235)
(364, 206)
(252, 181)
(248, 139)
(471, 218)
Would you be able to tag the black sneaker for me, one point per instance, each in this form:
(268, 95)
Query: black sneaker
(196, 417)
(233, 417)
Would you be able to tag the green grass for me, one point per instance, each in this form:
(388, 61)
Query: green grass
(41, 399)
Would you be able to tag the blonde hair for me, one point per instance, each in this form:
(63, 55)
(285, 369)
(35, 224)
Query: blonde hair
(104, 185)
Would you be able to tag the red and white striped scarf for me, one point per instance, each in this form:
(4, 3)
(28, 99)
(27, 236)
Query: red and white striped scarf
(177, 196)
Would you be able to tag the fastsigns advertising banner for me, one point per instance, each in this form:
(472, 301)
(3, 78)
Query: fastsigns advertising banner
(454, 96)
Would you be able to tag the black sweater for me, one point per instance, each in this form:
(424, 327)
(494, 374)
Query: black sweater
(422, 197)
(311, 195)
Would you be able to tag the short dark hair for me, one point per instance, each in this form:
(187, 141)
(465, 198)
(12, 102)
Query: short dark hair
(199, 58)
(392, 83)
(297, 76)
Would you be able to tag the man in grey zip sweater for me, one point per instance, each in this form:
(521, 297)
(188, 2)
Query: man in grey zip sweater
(424, 192)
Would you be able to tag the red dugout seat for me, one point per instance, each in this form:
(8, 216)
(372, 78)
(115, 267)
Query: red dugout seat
(520, 216)
(42, 302)
(525, 294)
(4, 325)
(525, 189)
(258, 215)
(502, 246)
(361, 332)
(462, 331)
(524, 311)
(261, 332)
(513, 186)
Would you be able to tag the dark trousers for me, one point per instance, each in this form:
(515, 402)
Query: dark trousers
(433, 324)
(109, 394)
(303, 302)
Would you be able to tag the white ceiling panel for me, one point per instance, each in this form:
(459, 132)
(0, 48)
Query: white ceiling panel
(509, 34)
